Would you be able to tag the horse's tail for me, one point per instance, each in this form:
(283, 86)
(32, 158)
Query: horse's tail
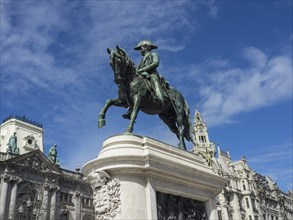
(182, 105)
(188, 128)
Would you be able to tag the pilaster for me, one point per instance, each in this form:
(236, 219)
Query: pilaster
(15, 181)
(151, 200)
(4, 189)
(211, 209)
(54, 190)
(77, 206)
(44, 206)
(236, 212)
(223, 206)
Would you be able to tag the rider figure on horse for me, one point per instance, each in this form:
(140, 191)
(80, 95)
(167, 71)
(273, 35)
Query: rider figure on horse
(147, 67)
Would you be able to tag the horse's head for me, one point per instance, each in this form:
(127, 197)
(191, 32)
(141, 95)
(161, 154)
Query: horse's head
(122, 66)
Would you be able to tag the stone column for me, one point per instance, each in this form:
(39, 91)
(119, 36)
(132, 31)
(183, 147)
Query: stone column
(53, 203)
(225, 214)
(151, 200)
(44, 206)
(77, 206)
(235, 204)
(3, 197)
(223, 206)
(259, 208)
(211, 209)
(13, 196)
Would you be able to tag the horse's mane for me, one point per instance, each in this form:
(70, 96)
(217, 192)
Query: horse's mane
(129, 68)
(125, 55)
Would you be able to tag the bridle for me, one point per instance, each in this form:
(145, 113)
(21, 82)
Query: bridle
(123, 67)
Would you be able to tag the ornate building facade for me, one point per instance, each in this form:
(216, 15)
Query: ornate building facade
(248, 195)
(33, 186)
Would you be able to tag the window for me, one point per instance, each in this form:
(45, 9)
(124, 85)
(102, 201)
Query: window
(220, 214)
(247, 203)
(253, 203)
(61, 196)
(202, 139)
(243, 185)
(66, 197)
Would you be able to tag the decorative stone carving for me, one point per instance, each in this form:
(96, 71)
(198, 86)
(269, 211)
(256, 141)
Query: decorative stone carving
(30, 142)
(106, 194)
(98, 178)
(36, 163)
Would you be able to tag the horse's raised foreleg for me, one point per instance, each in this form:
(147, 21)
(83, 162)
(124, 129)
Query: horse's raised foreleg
(108, 104)
(135, 110)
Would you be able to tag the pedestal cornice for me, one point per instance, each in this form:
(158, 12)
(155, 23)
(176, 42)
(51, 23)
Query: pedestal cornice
(132, 154)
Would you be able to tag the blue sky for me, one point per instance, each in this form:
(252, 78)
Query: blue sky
(231, 59)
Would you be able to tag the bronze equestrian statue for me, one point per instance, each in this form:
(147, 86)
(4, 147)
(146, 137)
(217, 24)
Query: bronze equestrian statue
(143, 89)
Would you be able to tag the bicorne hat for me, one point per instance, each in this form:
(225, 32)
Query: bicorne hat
(145, 42)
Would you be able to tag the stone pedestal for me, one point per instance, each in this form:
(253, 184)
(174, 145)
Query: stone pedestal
(137, 177)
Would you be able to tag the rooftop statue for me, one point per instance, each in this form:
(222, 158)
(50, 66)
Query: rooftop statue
(12, 145)
(52, 155)
(142, 88)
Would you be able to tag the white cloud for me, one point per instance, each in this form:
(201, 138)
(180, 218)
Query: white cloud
(52, 41)
(256, 56)
(230, 90)
(54, 53)
(269, 157)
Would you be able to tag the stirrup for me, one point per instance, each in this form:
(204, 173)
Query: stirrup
(126, 115)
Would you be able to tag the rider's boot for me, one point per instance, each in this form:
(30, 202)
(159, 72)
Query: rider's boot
(158, 91)
(127, 114)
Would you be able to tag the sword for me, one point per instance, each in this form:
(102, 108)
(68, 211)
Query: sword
(174, 106)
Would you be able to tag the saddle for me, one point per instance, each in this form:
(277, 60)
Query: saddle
(163, 82)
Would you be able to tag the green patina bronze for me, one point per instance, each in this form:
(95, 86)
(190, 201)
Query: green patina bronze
(143, 89)
(12, 145)
(52, 155)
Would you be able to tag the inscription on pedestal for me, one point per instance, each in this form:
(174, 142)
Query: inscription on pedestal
(171, 207)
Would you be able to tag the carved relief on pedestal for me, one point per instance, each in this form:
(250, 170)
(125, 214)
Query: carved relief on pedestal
(106, 194)
(171, 207)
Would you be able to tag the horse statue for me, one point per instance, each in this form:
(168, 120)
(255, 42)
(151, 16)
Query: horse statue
(135, 93)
